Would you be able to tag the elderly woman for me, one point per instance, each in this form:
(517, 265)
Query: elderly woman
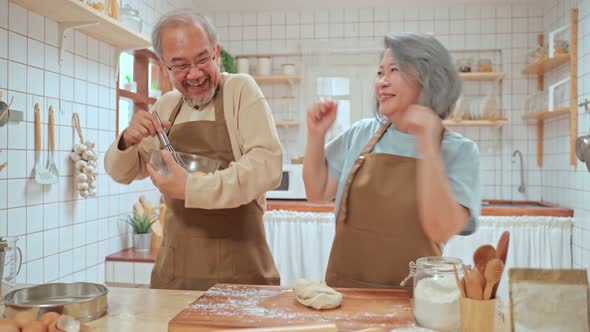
(403, 184)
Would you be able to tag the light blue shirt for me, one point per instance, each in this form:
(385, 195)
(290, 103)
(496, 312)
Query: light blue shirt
(459, 154)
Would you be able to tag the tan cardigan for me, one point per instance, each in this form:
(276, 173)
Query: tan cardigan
(254, 141)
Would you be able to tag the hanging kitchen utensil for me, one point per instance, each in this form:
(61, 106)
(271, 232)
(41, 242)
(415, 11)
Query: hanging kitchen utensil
(583, 142)
(42, 175)
(50, 165)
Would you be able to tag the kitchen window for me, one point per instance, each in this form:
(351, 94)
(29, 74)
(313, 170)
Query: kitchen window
(350, 86)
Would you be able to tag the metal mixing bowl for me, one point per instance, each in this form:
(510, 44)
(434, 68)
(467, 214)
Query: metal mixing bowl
(193, 163)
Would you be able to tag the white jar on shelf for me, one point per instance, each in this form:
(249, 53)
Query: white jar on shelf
(243, 65)
(264, 66)
(289, 69)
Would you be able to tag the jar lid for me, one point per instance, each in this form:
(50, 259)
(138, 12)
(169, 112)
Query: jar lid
(438, 263)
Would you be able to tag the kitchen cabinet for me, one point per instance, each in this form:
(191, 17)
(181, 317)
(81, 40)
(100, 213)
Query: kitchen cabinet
(543, 66)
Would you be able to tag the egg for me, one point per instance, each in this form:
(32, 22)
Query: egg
(8, 325)
(86, 328)
(24, 317)
(35, 326)
(49, 318)
(68, 323)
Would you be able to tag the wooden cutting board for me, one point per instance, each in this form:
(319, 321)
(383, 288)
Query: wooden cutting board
(227, 306)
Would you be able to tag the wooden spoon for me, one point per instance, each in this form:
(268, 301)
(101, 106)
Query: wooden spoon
(475, 284)
(502, 254)
(460, 282)
(493, 273)
(502, 247)
(482, 255)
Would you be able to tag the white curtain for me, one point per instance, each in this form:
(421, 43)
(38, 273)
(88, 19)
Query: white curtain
(301, 241)
(535, 242)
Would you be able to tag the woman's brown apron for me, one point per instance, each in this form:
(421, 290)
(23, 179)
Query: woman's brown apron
(378, 228)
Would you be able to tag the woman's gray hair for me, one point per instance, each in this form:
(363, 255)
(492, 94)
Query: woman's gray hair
(177, 18)
(423, 57)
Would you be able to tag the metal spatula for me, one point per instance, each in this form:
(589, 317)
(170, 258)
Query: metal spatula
(42, 175)
(50, 166)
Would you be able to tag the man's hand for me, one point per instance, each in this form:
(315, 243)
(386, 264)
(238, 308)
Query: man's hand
(172, 185)
(142, 125)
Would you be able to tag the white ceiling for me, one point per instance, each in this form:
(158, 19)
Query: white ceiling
(271, 5)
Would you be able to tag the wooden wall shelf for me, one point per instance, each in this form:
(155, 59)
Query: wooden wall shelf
(476, 123)
(492, 76)
(286, 123)
(89, 21)
(545, 65)
(277, 79)
(546, 114)
(540, 68)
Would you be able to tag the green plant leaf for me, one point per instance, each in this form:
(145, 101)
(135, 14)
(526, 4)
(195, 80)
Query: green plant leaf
(128, 78)
(140, 223)
(228, 62)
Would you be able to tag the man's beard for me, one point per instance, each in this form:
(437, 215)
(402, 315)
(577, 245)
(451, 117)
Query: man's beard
(202, 101)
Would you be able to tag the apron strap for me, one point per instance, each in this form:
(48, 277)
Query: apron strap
(343, 209)
(174, 114)
(218, 102)
(355, 167)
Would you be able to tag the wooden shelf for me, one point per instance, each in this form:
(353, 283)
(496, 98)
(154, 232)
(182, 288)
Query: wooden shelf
(277, 79)
(545, 114)
(136, 97)
(545, 65)
(286, 123)
(476, 123)
(540, 68)
(76, 12)
(491, 76)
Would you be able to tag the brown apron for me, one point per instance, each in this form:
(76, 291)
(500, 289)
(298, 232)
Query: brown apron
(201, 247)
(378, 228)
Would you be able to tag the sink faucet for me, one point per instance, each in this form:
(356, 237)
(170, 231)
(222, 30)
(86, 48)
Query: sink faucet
(521, 188)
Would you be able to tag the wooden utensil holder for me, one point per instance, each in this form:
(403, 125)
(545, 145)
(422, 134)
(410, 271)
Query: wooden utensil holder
(478, 315)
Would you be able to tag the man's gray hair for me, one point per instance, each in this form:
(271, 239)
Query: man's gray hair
(177, 18)
(423, 57)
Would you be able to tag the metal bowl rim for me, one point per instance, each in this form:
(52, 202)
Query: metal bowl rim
(103, 290)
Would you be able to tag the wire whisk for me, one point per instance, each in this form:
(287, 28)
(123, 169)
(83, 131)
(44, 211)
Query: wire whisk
(166, 143)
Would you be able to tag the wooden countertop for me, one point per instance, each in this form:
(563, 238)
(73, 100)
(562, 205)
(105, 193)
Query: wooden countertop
(489, 208)
(149, 310)
(129, 255)
(142, 310)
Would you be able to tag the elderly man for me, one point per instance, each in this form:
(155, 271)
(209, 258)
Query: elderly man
(213, 230)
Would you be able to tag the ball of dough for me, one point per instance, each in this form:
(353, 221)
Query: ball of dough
(317, 295)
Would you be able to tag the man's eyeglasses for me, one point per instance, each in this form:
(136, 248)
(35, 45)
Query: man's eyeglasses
(183, 68)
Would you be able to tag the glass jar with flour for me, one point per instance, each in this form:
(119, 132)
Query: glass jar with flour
(436, 294)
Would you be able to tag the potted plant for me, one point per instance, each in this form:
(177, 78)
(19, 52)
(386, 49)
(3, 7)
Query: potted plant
(141, 225)
(130, 86)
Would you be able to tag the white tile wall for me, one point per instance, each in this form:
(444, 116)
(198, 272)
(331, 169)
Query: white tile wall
(63, 237)
(510, 28)
(562, 183)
